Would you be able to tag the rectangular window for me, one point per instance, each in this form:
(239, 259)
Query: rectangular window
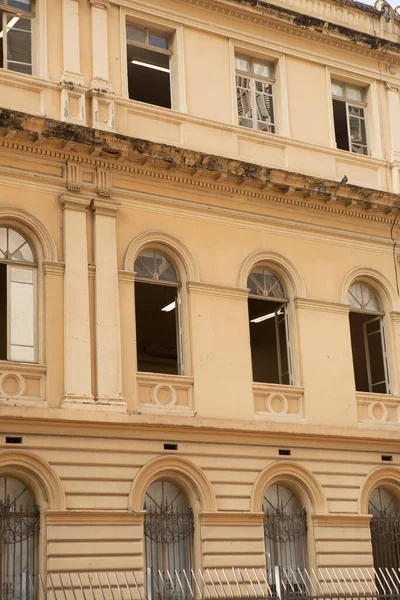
(349, 117)
(255, 85)
(149, 65)
(16, 17)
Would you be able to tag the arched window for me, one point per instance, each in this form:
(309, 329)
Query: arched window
(368, 339)
(19, 534)
(285, 530)
(17, 297)
(385, 529)
(168, 535)
(158, 314)
(269, 328)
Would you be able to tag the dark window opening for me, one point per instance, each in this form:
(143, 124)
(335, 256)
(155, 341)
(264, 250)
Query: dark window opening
(3, 312)
(269, 347)
(341, 128)
(149, 78)
(368, 353)
(156, 329)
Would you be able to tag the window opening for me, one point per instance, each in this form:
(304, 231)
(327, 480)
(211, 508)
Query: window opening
(19, 537)
(158, 314)
(149, 65)
(255, 85)
(16, 18)
(285, 531)
(168, 535)
(269, 328)
(385, 531)
(368, 340)
(349, 117)
(17, 297)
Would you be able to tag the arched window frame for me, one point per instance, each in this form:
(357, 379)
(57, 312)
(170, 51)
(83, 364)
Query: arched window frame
(287, 307)
(379, 316)
(385, 526)
(183, 337)
(36, 283)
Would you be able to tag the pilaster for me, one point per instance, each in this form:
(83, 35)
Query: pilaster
(101, 90)
(73, 107)
(108, 336)
(77, 346)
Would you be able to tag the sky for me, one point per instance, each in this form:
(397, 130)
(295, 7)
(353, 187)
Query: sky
(393, 3)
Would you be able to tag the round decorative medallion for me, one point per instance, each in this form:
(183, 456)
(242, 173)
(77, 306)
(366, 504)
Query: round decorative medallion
(164, 395)
(377, 411)
(11, 385)
(277, 404)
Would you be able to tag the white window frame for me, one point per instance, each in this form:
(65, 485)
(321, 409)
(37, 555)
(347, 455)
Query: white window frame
(16, 12)
(26, 267)
(253, 79)
(363, 105)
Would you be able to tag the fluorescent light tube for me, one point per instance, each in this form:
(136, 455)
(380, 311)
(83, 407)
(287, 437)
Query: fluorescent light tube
(10, 25)
(169, 307)
(266, 317)
(150, 66)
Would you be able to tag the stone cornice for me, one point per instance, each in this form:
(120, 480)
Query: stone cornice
(74, 203)
(213, 289)
(226, 518)
(295, 22)
(191, 168)
(94, 517)
(322, 305)
(341, 520)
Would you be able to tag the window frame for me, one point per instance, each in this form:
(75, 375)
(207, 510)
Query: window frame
(253, 78)
(147, 46)
(352, 103)
(18, 12)
(34, 267)
(179, 317)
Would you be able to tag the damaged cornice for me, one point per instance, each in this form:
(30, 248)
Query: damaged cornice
(75, 143)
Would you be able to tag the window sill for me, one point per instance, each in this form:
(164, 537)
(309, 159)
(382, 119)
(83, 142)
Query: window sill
(278, 403)
(22, 384)
(378, 409)
(162, 394)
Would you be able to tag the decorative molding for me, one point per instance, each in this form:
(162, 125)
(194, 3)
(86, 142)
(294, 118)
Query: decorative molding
(109, 404)
(228, 519)
(165, 394)
(53, 268)
(395, 316)
(99, 3)
(107, 208)
(45, 246)
(343, 520)
(280, 263)
(378, 409)
(126, 276)
(322, 305)
(92, 271)
(23, 384)
(387, 476)
(112, 518)
(279, 403)
(74, 203)
(214, 289)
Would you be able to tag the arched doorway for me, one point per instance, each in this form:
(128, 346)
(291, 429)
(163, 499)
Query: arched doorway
(19, 536)
(168, 536)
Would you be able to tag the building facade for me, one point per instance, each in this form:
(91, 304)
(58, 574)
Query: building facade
(199, 285)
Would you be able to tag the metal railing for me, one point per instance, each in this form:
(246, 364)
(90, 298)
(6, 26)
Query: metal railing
(215, 584)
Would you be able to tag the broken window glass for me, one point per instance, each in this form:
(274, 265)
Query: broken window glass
(269, 328)
(349, 118)
(255, 94)
(149, 66)
(368, 340)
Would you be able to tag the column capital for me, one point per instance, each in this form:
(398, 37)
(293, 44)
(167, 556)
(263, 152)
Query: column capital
(104, 207)
(74, 203)
(99, 3)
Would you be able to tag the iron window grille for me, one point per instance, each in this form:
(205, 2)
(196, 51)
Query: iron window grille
(255, 90)
(285, 531)
(18, 273)
(368, 340)
(16, 24)
(19, 533)
(385, 529)
(149, 65)
(269, 328)
(349, 112)
(168, 531)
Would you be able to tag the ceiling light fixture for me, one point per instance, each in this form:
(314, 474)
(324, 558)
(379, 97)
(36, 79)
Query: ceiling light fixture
(266, 317)
(150, 66)
(169, 307)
